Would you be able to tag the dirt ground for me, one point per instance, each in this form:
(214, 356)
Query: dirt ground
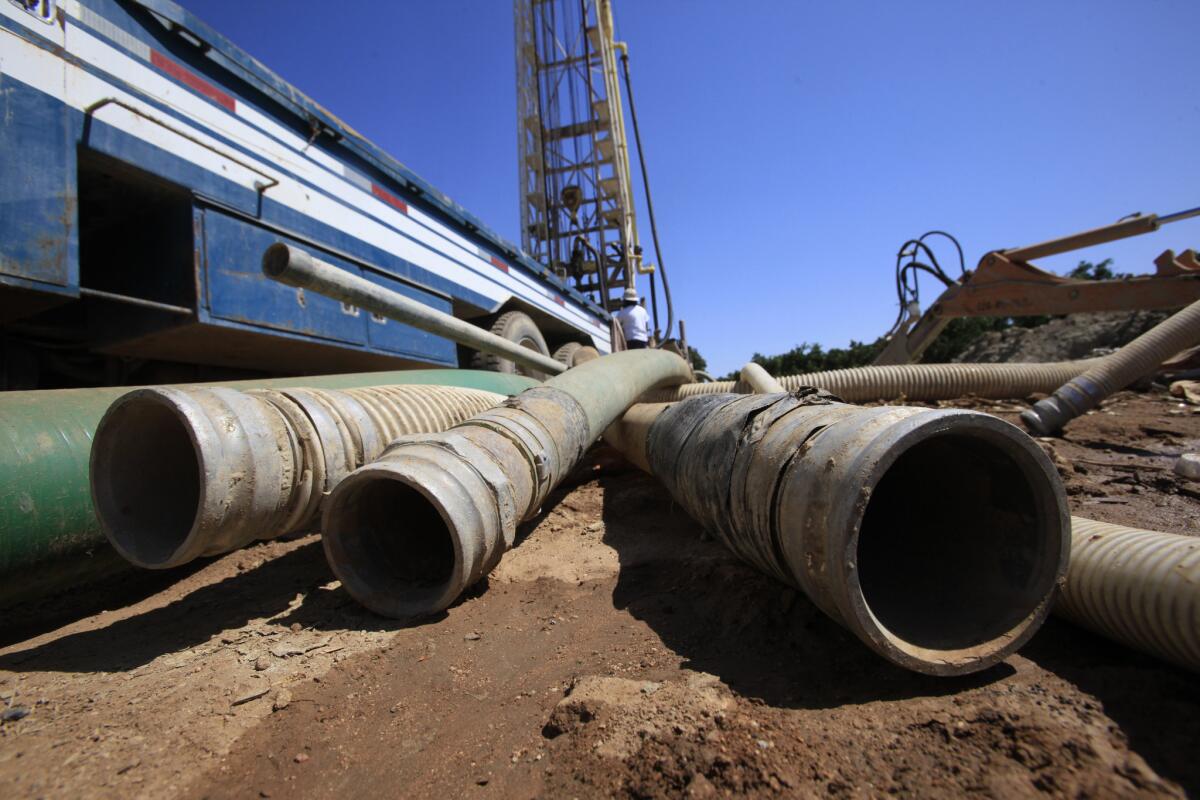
(615, 652)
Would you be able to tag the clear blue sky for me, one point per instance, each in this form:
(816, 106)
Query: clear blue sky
(793, 146)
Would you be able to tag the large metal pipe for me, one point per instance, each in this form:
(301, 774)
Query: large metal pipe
(49, 535)
(1141, 588)
(183, 473)
(409, 532)
(1114, 372)
(1138, 587)
(910, 381)
(935, 535)
(295, 267)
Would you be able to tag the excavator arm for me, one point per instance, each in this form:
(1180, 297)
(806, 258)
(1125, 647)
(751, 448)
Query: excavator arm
(1005, 284)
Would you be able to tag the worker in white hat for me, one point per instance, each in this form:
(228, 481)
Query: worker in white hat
(634, 320)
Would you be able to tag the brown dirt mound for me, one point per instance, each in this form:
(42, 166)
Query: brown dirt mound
(1063, 339)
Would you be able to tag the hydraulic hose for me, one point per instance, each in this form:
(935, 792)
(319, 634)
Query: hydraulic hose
(637, 138)
(1114, 372)
(910, 381)
(1141, 588)
(181, 473)
(936, 536)
(409, 532)
(50, 536)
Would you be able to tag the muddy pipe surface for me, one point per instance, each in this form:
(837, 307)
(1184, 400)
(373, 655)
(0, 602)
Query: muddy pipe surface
(936, 535)
(1114, 372)
(409, 532)
(178, 473)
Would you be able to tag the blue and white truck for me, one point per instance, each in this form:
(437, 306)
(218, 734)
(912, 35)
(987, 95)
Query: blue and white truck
(146, 163)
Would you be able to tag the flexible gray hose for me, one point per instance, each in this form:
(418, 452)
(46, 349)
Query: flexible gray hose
(911, 381)
(410, 531)
(1141, 588)
(936, 536)
(177, 473)
(1114, 372)
(759, 380)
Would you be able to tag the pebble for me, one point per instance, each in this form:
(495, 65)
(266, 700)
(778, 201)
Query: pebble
(472, 637)
(300, 758)
(261, 664)
(1188, 466)
(13, 714)
(282, 698)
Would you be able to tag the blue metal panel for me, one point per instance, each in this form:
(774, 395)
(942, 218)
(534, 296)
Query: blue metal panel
(350, 146)
(38, 232)
(395, 337)
(237, 289)
(106, 139)
(329, 236)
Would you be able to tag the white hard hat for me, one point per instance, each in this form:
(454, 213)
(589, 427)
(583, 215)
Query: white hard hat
(630, 295)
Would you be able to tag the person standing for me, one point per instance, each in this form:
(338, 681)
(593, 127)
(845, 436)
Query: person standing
(634, 320)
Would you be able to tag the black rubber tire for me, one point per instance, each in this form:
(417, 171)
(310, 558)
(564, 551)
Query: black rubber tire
(572, 354)
(516, 326)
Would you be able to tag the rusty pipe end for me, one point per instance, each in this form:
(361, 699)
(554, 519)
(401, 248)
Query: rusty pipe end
(284, 263)
(145, 480)
(410, 532)
(180, 473)
(959, 537)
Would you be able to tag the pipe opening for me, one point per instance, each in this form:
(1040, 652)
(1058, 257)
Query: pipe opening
(147, 480)
(958, 544)
(393, 544)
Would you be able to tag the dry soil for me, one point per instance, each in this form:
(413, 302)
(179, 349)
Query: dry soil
(615, 652)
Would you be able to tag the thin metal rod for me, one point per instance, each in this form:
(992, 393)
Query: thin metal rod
(136, 301)
(1179, 215)
(294, 267)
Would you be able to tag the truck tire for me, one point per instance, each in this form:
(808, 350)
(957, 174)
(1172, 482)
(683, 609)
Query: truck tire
(516, 326)
(572, 354)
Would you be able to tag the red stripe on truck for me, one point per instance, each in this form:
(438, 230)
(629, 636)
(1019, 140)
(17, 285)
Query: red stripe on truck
(193, 81)
(389, 198)
(500, 265)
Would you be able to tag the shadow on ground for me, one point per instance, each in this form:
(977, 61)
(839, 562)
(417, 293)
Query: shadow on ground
(761, 638)
(1156, 705)
(767, 641)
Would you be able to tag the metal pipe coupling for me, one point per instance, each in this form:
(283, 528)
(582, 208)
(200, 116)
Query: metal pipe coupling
(409, 532)
(936, 536)
(182, 473)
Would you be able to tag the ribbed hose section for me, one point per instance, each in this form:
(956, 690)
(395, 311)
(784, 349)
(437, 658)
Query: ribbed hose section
(936, 536)
(910, 381)
(1114, 372)
(408, 532)
(181, 473)
(401, 410)
(1141, 588)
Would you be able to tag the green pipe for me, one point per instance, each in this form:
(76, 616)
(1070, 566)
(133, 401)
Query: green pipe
(49, 535)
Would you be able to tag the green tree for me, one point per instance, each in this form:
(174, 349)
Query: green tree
(698, 361)
(1100, 271)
